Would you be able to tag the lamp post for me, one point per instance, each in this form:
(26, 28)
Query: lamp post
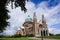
(42, 35)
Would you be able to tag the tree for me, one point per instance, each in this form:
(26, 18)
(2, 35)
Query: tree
(4, 12)
(51, 34)
(57, 35)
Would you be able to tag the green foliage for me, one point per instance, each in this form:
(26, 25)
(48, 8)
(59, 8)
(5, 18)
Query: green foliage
(1, 36)
(3, 15)
(17, 3)
(15, 36)
(29, 35)
(57, 35)
(51, 34)
(4, 12)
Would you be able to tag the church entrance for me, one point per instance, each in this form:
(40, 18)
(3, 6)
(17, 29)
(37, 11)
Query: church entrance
(43, 33)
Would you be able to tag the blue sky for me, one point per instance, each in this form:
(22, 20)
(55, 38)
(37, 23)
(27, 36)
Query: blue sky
(51, 2)
(37, 1)
(50, 9)
(56, 26)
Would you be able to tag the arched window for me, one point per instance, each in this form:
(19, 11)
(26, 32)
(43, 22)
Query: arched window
(41, 33)
(44, 33)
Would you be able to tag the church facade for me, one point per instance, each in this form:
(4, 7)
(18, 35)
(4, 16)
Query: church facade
(32, 26)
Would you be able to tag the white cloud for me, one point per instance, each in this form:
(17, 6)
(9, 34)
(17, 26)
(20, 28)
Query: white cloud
(32, 5)
(18, 17)
(54, 31)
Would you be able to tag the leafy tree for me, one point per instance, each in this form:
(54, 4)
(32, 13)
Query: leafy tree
(57, 35)
(51, 34)
(4, 12)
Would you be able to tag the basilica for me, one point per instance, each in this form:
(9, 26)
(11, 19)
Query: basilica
(32, 26)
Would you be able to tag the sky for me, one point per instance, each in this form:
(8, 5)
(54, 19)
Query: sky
(50, 9)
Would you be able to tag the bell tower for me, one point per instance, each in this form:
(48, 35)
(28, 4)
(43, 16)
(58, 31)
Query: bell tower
(45, 26)
(34, 17)
(35, 24)
(43, 19)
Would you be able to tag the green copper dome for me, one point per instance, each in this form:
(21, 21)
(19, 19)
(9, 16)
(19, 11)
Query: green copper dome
(28, 18)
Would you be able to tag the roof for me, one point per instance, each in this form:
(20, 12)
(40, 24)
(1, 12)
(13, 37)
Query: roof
(28, 18)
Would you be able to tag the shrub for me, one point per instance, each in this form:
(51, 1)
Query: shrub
(29, 35)
(16, 35)
(51, 34)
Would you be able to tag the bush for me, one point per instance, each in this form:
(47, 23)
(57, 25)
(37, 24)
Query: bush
(51, 34)
(57, 35)
(1, 36)
(29, 35)
(16, 35)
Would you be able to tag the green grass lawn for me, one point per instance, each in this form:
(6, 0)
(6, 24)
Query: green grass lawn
(17, 39)
(53, 37)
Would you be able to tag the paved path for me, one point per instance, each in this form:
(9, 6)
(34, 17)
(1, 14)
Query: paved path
(49, 39)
